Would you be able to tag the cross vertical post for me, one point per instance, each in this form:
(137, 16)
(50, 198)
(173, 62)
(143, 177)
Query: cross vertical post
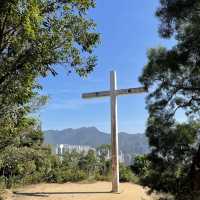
(114, 133)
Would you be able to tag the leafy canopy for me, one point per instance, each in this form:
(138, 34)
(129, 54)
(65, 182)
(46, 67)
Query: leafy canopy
(36, 36)
(173, 76)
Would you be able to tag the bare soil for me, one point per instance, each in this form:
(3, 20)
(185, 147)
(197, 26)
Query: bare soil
(80, 191)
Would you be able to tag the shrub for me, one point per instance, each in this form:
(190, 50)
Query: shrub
(126, 175)
(140, 165)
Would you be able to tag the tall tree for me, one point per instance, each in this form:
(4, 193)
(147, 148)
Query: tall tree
(35, 37)
(173, 75)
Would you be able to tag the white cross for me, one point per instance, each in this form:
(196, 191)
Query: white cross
(113, 93)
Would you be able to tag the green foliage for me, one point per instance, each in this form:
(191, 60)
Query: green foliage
(24, 159)
(29, 161)
(171, 160)
(89, 163)
(64, 174)
(23, 165)
(74, 166)
(140, 165)
(173, 78)
(105, 172)
(126, 175)
(35, 37)
(104, 150)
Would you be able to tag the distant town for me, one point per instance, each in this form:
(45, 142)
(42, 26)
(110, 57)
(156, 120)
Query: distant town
(62, 148)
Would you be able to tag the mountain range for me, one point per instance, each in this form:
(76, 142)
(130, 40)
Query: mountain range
(129, 144)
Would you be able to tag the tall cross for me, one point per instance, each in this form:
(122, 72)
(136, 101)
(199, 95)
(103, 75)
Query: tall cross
(113, 93)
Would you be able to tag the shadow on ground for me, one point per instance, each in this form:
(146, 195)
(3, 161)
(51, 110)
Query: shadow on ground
(45, 194)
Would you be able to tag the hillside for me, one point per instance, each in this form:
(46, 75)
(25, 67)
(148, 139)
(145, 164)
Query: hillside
(129, 144)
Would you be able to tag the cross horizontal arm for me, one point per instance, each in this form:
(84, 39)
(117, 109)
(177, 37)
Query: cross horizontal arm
(131, 91)
(95, 94)
(116, 92)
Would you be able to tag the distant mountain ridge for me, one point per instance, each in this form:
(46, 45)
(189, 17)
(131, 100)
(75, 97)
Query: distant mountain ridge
(130, 144)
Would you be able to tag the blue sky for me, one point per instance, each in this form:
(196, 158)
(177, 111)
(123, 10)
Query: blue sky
(128, 28)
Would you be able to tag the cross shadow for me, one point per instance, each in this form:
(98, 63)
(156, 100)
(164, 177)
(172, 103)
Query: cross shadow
(45, 194)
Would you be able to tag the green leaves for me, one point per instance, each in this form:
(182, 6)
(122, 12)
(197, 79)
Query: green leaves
(37, 35)
(173, 76)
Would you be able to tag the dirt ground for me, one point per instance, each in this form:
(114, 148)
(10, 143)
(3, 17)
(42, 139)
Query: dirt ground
(80, 191)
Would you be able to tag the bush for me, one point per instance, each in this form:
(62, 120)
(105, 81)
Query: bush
(99, 177)
(126, 175)
(74, 175)
(140, 165)
(62, 175)
(29, 165)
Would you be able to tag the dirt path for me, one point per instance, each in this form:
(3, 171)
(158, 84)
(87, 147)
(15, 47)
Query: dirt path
(79, 191)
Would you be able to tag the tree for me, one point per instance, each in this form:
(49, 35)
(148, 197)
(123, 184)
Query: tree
(104, 152)
(89, 163)
(168, 166)
(125, 174)
(173, 76)
(35, 37)
(140, 165)
(23, 157)
(71, 159)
